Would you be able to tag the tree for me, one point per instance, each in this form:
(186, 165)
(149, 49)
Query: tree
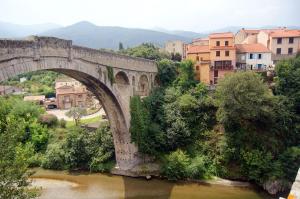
(147, 51)
(13, 163)
(243, 98)
(288, 81)
(76, 113)
(121, 46)
(166, 72)
(176, 57)
(185, 79)
(176, 165)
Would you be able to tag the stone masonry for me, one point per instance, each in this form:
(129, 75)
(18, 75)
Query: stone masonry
(94, 69)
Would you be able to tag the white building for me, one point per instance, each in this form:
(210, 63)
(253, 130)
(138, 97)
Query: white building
(253, 57)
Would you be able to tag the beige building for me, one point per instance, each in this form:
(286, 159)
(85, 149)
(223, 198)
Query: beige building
(283, 43)
(70, 93)
(246, 36)
(174, 47)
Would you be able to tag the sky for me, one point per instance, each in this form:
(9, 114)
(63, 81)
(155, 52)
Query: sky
(193, 15)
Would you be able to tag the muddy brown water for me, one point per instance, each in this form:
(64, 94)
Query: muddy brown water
(64, 185)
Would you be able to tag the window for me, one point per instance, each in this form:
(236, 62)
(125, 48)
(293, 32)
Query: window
(197, 67)
(278, 51)
(227, 53)
(279, 40)
(226, 43)
(218, 53)
(218, 43)
(79, 96)
(291, 40)
(259, 56)
(197, 58)
(259, 66)
(251, 56)
(290, 51)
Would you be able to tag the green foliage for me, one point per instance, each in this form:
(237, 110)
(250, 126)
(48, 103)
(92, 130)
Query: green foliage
(185, 79)
(290, 160)
(147, 51)
(76, 113)
(38, 135)
(54, 157)
(13, 163)
(243, 97)
(176, 165)
(48, 119)
(39, 82)
(121, 46)
(166, 72)
(27, 110)
(89, 150)
(256, 164)
(110, 74)
(288, 80)
(62, 123)
(76, 152)
(176, 57)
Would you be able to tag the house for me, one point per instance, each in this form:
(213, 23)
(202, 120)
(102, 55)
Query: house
(200, 54)
(283, 43)
(70, 93)
(253, 57)
(174, 47)
(222, 55)
(7, 90)
(246, 36)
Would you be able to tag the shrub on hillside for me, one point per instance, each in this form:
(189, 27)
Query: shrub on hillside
(54, 157)
(48, 119)
(176, 165)
(62, 123)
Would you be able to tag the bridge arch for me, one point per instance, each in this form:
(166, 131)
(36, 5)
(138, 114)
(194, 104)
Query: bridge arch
(90, 67)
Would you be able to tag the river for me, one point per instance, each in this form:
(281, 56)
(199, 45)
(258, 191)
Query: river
(64, 185)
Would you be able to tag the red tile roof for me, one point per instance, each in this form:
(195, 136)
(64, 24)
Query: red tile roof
(282, 33)
(221, 35)
(251, 48)
(197, 49)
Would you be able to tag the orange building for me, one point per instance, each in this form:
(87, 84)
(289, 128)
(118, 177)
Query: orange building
(222, 55)
(214, 57)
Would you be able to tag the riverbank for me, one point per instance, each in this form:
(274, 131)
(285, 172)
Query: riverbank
(81, 185)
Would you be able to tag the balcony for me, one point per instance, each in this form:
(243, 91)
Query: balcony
(222, 67)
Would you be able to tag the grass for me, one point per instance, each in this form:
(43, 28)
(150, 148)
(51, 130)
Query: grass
(83, 121)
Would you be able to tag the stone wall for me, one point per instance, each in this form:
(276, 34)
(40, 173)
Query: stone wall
(90, 67)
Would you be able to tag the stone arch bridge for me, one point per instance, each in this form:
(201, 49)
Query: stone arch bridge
(113, 78)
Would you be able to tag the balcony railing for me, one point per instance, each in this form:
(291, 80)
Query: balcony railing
(222, 67)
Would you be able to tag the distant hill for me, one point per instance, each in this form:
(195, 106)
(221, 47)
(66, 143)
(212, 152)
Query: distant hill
(88, 34)
(9, 30)
(183, 33)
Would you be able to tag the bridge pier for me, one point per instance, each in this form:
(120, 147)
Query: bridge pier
(113, 78)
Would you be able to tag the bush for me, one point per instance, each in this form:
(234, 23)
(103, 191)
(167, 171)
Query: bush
(38, 136)
(48, 119)
(62, 123)
(36, 160)
(176, 165)
(54, 157)
(198, 168)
